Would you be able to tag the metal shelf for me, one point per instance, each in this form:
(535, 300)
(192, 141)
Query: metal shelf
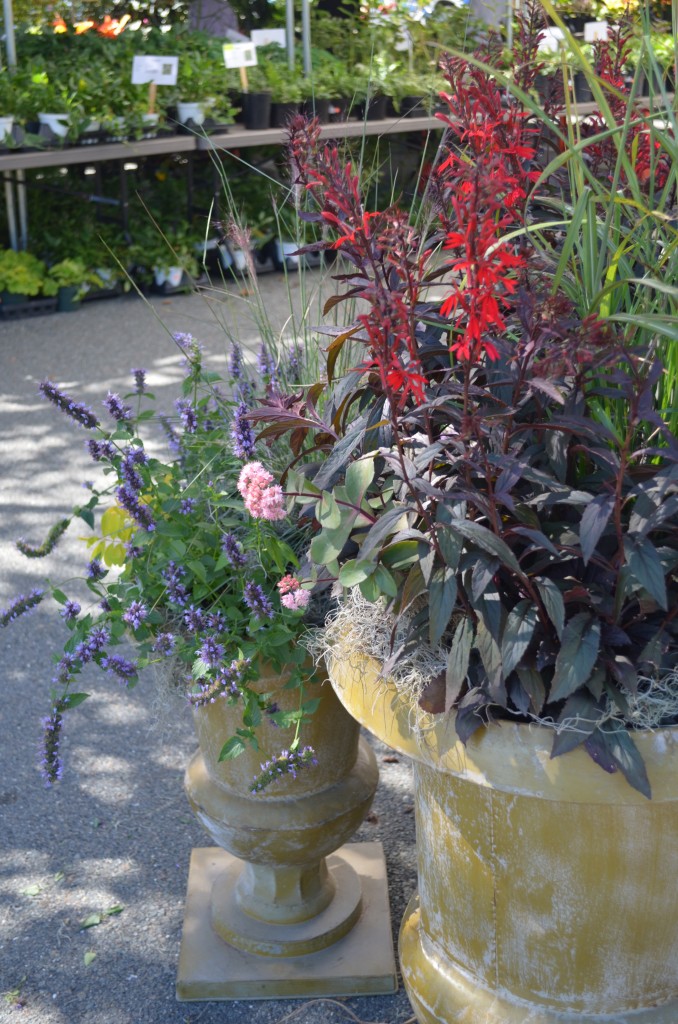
(240, 138)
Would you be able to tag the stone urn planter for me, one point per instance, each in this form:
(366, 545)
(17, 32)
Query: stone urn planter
(278, 909)
(546, 887)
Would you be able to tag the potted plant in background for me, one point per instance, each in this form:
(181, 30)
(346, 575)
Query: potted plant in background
(413, 92)
(72, 279)
(256, 102)
(166, 261)
(22, 277)
(286, 92)
(499, 504)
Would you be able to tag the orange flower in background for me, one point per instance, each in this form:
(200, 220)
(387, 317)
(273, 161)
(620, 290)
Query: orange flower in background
(112, 27)
(59, 26)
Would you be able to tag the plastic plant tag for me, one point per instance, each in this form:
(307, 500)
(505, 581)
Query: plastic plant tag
(155, 70)
(594, 30)
(268, 36)
(551, 40)
(240, 55)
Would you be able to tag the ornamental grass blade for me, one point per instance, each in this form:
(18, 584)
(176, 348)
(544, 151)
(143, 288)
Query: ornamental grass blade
(577, 655)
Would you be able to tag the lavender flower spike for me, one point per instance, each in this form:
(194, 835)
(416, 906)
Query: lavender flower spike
(70, 611)
(242, 434)
(188, 415)
(233, 551)
(82, 414)
(116, 407)
(135, 614)
(21, 605)
(288, 762)
(257, 602)
(51, 764)
(139, 381)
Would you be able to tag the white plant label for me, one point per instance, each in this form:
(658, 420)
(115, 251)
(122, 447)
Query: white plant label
(552, 40)
(268, 36)
(240, 55)
(595, 30)
(155, 70)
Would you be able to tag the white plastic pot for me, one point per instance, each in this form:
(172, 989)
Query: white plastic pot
(6, 125)
(57, 123)
(190, 112)
(173, 276)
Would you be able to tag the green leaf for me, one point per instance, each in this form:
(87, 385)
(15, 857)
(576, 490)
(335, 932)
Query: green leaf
(59, 596)
(369, 588)
(329, 544)
(231, 749)
(198, 569)
(71, 700)
(518, 633)
(594, 519)
(386, 582)
(359, 476)
(354, 572)
(553, 603)
(577, 655)
(31, 890)
(91, 922)
(87, 516)
(442, 597)
(646, 567)
(458, 660)
(328, 512)
(89, 956)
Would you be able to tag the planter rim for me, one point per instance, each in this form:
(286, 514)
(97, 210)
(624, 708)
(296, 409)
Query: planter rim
(506, 756)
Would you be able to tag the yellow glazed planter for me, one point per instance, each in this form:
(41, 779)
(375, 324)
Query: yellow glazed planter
(547, 888)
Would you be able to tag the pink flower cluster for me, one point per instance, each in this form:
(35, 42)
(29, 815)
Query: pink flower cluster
(291, 594)
(263, 498)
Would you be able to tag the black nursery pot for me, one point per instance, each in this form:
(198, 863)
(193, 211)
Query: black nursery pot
(319, 108)
(576, 22)
(256, 110)
(413, 106)
(376, 109)
(68, 299)
(282, 112)
(338, 109)
(582, 88)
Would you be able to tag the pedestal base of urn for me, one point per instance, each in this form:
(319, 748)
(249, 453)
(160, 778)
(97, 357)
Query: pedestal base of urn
(441, 993)
(362, 962)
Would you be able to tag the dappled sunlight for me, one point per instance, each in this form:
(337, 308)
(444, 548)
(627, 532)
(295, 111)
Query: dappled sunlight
(114, 709)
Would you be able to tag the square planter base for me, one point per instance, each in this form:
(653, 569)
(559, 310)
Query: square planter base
(362, 963)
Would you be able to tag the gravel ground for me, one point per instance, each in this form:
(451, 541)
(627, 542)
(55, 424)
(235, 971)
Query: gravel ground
(113, 839)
